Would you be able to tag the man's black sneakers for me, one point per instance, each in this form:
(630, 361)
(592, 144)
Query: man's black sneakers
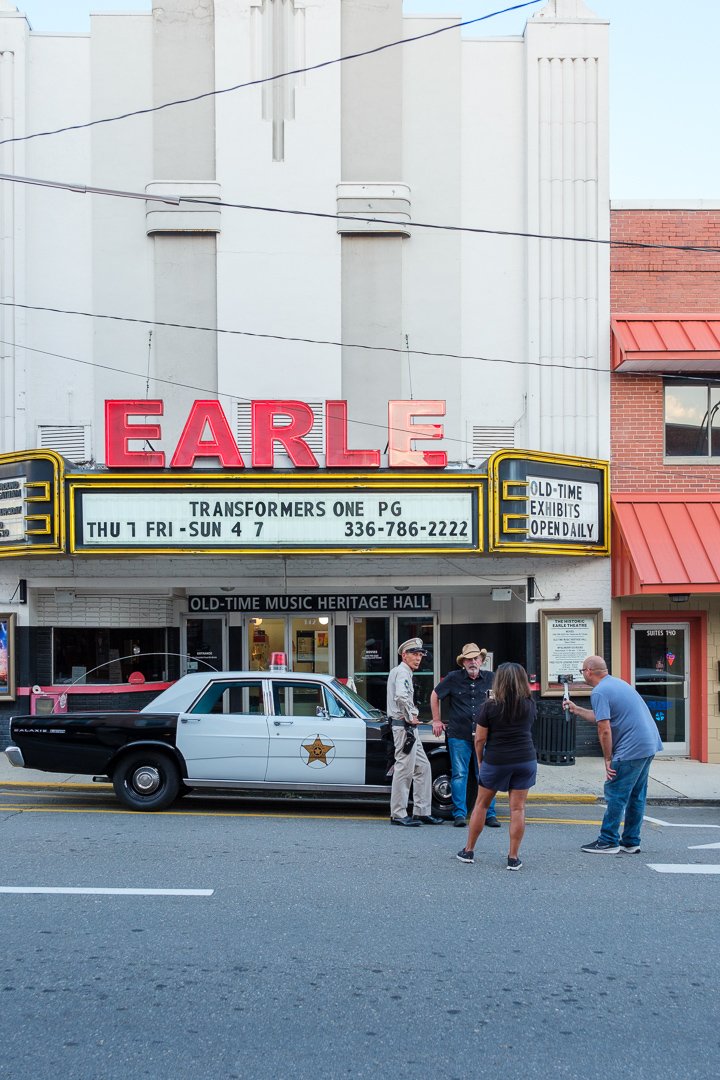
(601, 847)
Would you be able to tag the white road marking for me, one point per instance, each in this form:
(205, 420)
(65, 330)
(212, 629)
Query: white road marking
(683, 868)
(698, 847)
(678, 824)
(104, 892)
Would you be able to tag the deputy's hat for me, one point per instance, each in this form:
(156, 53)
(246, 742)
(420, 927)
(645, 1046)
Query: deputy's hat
(471, 652)
(413, 644)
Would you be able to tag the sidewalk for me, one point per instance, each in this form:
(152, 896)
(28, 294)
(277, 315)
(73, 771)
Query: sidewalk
(671, 780)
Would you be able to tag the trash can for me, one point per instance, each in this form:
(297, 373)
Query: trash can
(554, 734)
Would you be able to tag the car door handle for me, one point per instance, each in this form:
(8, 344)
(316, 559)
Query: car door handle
(283, 723)
(189, 719)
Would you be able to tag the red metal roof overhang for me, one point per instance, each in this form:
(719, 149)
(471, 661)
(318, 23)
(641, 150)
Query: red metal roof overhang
(657, 343)
(665, 544)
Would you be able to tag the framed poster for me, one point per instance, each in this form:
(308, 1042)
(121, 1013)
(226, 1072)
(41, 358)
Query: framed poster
(305, 646)
(7, 657)
(566, 638)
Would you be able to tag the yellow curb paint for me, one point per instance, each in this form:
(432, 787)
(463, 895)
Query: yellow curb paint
(535, 797)
(252, 814)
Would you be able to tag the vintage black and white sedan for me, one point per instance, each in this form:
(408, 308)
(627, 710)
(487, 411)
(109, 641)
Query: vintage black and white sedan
(228, 731)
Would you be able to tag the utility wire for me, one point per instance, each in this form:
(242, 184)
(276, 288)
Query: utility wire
(357, 423)
(314, 341)
(286, 337)
(176, 200)
(268, 79)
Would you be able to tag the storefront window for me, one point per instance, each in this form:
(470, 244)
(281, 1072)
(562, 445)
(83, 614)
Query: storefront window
(692, 420)
(88, 655)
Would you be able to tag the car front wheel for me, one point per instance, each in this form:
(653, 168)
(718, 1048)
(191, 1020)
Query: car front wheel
(146, 780)
(441, 793)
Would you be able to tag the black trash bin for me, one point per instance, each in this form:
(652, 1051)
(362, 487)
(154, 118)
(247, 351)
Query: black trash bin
(554, 734)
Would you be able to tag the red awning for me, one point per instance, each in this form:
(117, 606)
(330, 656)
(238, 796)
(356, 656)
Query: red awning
(666, 343)
(665, 544)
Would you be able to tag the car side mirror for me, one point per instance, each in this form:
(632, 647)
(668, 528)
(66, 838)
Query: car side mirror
(322, 712)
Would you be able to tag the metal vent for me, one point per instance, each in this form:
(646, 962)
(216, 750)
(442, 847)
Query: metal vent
(486, 440)
(64, 607)
(315, 437)
(70, 440)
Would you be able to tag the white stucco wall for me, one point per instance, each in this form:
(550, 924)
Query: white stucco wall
(474, 134)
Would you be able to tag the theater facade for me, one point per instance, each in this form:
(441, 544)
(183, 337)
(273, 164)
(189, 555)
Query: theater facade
(128, 576)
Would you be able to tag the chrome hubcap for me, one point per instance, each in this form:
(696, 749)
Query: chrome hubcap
(146, 780)
(441, 789)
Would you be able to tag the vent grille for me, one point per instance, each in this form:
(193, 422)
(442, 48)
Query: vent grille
(63, 607)
(486, 440)
(315, 438)
(70, 440)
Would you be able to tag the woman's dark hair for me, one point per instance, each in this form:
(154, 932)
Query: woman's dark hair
(510, 689)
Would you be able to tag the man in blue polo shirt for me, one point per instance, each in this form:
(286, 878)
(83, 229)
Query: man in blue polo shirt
(630, 740)
(464, 691)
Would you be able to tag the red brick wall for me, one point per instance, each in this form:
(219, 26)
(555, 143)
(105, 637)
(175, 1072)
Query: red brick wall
(657, 281)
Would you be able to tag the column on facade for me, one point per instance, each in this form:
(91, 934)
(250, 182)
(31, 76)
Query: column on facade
(13, 47)
(371, 186)
(185, 270)
(567, 195)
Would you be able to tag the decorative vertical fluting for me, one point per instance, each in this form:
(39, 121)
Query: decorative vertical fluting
(282, 46)
(7, 256)
(568, 295)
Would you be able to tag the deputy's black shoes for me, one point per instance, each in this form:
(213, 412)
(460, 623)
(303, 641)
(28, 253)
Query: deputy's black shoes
(427, 819)
(410, 822)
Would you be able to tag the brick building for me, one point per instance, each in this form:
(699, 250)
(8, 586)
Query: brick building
(665, 454)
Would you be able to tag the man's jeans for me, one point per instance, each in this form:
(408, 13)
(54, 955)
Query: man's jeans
(462, 753)
(625, 796)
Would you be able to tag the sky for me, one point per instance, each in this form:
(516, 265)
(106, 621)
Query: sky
(664, 82)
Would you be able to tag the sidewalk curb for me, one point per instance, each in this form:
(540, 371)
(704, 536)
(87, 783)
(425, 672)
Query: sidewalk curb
(53, 787)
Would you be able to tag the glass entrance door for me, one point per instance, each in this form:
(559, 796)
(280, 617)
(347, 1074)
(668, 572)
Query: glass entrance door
(204, 644)
(660, 656)
(371, 658)
(373, 651)
(306, 641)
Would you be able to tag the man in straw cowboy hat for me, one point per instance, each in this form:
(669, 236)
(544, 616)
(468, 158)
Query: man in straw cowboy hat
(464, 691)
(411, 763)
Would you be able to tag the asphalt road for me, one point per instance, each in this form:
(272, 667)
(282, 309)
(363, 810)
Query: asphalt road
(322, 943)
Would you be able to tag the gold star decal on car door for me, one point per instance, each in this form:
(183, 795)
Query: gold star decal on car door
(317, 751)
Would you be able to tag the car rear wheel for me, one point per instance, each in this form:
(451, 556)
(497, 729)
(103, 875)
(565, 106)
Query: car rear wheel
(441, 793)
(146, 780)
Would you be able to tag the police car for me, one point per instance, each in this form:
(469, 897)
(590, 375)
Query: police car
(228, 731)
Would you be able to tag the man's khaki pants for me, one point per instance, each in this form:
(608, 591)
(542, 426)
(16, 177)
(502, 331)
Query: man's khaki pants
(413, 768)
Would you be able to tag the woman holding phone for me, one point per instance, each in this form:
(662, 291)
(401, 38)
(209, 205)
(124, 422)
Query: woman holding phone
(506, 752)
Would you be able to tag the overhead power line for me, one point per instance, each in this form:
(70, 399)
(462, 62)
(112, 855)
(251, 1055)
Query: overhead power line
(267, 79)
(284, 337)
(267, 336)
(177, 200)
(350, 421)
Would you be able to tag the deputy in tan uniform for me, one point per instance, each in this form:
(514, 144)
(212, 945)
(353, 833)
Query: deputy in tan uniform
(411, 763)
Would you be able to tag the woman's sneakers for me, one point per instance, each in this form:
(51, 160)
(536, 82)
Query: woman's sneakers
(466, 856)
(513, 864)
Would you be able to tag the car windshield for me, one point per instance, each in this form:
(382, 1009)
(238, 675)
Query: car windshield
(359, 702)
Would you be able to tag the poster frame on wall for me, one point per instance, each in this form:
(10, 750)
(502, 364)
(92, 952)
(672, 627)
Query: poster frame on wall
(574, 631)
(7, 630)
